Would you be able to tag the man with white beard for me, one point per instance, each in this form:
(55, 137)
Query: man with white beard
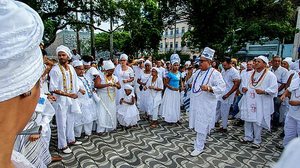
(257, 104)
(207, 86)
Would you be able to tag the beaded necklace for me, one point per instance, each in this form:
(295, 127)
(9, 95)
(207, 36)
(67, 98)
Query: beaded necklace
(65, 79)
(194, 84)
(107, 88)
(87, 87)
(255, 84)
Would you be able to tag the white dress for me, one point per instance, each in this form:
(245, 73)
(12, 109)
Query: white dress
(128, 115)
(107, 109)
(143, 95)
(122, 75)
(155, 97)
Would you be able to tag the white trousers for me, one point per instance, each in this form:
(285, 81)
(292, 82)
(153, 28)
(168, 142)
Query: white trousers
(200, 141)
(282, 112)
(251, 128)
(86, 128)
(291, 129)
(155, 113)
(65, 126)
(103, 129)
(223, 113)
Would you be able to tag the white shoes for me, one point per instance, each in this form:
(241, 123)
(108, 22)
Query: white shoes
(77, 143)
(67, 151)
(196, 152)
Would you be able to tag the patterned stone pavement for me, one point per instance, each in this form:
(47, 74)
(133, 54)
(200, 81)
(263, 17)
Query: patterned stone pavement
(168, 146)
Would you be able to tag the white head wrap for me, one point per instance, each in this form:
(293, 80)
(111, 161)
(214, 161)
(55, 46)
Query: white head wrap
(290, 155)
(124, 56)
(244, 65)
(77, 63)
(175, 59)
(65, 50)
(208, 53)
(188, 63)
(289, 60)
(86, 63)
(107, 65)
(156, 69)
(129, 87)
(148, 62)
(21, 62)
(264, 58)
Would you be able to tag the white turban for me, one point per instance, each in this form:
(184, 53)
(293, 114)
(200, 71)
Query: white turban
(156, 69)
(129, 87)
(148, 62)
(124, 56)
(107, 65)
(264, 58)
(188, 63)
(65, 50)
(175, 59)
(87, 63)
(289, 60)
(77, 63)
(244, 65)
(21, 62)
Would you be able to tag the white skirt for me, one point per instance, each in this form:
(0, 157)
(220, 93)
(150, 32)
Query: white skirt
(106, 111)
(128, 115)
(170, 106)
(88, 113)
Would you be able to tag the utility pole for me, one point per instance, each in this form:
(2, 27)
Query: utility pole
(111, 40)
(77, 31)
(175, 32)
(93, 52)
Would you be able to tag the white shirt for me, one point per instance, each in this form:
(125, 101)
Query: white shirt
(294, 111)
(282, 77)
(229, 76)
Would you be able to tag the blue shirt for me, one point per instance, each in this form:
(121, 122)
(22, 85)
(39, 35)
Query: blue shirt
(174, 79)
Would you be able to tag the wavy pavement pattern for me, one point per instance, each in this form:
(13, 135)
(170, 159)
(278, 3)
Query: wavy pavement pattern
(166, 146)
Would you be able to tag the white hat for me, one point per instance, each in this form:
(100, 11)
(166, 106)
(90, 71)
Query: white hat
(127, 86)
(148, 62)
(264, 58)
(124, 56)
(77, 63)
(21, 61)
(188, 63)
(107, 65)
(175, 59)
(86, 63)
(65, 50)
(289, 60)
(244, 64)
(208, 53)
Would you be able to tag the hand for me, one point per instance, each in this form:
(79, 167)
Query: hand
(125, 81)
(151, 87)
(225, 97)
(282, 97)
(244, 89)
(110, 85)
(145, 88)
(82, 91)
(259, 91)
(175, 89)
(33, 137)
(73, 95)
(51, 98)
(121, 101)
(294, 103)
(205, 88)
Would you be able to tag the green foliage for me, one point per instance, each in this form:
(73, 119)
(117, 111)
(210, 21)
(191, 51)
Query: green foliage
(120, 41)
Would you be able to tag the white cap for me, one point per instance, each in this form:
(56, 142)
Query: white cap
(208, 53)
(264, 58)
(65, 50)
(124, 56)
(107, 65)
(188, 63)
(244, 64)
(21, 60)
(77, 63)
(148, 62)
(289, 60)
(86, 63)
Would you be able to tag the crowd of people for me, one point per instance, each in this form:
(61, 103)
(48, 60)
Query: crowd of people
(88, 98)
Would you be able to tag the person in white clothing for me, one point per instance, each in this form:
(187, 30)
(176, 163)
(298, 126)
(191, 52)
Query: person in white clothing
(64, 86)
(154, 87)
(231, 77)
(107, 87)
(292, 121)
(207, 86)
(128, 114)
(257, 104)
(160, 68)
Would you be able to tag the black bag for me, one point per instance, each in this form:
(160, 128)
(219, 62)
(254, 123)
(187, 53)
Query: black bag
(141, 87)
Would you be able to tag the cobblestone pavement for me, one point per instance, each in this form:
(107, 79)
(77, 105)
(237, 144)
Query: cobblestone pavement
(168, 146)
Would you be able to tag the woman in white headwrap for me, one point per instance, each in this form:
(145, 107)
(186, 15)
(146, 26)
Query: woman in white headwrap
(21, 66)
(125, 74)
(128, 114)
(154, 88)
(107, 87)
(142, 80)
(170, 107)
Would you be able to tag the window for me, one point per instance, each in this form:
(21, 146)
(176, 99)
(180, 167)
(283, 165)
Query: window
(161, 45)
(171, 44)
(171, 32)
(177, 30)
(176, 44)
(166, 45)
(182, 30)
(166, 32)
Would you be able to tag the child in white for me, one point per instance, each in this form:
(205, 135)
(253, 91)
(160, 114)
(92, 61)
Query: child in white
(128, 114)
